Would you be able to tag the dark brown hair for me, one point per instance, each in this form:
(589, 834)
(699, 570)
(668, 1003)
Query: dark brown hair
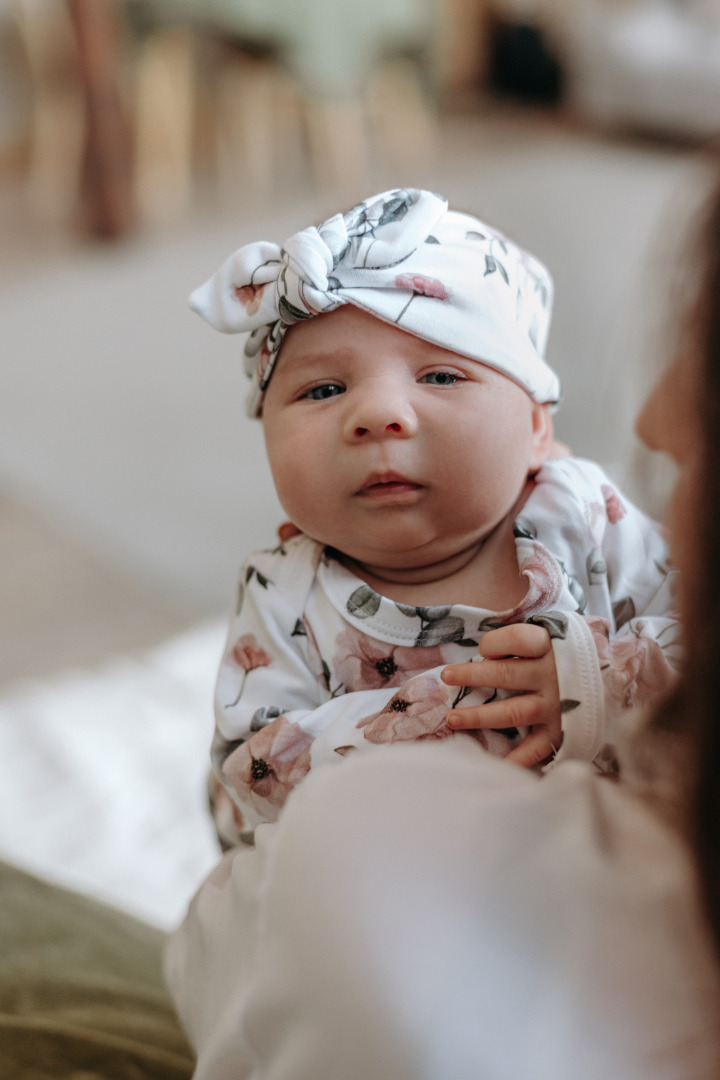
(692, 713)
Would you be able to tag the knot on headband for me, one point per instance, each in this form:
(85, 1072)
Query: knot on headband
(404, 257)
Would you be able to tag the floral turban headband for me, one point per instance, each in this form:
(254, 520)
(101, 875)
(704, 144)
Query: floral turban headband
(406, 258)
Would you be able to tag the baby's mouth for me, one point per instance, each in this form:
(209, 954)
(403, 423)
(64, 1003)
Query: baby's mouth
(385, 485)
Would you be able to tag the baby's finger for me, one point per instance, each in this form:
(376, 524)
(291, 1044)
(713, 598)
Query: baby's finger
(508, 674)
(522, 711)
(519, 639)
(535, 747)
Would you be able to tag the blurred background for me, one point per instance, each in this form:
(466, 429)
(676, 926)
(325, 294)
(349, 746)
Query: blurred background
(141, 141)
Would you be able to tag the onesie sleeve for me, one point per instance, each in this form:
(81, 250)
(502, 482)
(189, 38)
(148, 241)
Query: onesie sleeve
(612, 665)
(274, 698)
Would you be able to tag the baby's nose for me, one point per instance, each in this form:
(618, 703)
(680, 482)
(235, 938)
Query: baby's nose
(381, 412)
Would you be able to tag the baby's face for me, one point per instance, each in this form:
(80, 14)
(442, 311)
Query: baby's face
(395, 451)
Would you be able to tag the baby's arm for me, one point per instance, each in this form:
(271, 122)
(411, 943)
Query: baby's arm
(279, 710)
(612, 665)
(582, 676)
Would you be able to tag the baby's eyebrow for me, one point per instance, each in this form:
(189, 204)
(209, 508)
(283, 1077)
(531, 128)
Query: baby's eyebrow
(345, 354)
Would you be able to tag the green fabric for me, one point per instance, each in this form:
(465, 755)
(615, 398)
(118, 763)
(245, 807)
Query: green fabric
(81, 990)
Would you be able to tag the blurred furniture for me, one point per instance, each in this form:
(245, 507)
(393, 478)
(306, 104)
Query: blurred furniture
(144, 83)
(107, 179)
(651, 64)
(81, 989)
(80, 137)
(316, 62)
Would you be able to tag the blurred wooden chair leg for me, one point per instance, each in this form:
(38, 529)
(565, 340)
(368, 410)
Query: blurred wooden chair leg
(108, 197)
(165, 95)
(338, 141)
(247, 98)
(58, 121)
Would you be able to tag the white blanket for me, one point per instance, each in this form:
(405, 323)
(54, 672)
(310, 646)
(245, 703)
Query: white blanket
(102, 777)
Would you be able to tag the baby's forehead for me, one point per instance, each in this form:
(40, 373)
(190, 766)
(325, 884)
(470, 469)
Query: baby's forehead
(351, 331)
(407, 258)
(347, 336)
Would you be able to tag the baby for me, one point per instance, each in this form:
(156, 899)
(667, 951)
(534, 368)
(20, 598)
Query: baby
(396, 358)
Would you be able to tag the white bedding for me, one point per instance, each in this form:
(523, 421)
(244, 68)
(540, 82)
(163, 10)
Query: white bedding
(102, 777)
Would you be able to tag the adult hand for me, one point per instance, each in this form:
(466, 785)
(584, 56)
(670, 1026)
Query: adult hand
(518, 658)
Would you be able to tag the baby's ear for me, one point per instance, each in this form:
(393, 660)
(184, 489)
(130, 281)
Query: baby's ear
(543, 436)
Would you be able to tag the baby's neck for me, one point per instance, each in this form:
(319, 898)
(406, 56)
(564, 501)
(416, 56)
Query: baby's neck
(484, 575)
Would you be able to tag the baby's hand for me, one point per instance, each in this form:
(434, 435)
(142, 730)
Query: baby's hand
(520, 658)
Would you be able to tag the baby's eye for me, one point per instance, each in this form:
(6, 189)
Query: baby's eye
(324, 391)
(441, 378)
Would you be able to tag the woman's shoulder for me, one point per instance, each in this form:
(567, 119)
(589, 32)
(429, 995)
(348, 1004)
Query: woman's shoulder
(566, 905)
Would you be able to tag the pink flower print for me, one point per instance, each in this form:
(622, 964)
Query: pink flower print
(416, 711)
(248, 655)
(265, 769)
(613, 504)
(544, 578)
(250, 296)
(634, 668)
(420, 286)
(362, 663)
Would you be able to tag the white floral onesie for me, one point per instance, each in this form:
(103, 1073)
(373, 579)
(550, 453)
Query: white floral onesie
(318, 665)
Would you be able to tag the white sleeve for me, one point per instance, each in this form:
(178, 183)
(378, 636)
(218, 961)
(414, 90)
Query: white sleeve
(433, 913)
(609, 668)
(276, 713)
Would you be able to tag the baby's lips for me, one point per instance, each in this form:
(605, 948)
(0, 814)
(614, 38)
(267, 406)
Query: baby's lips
(387, 480)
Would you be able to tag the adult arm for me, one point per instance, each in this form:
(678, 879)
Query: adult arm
(432, 913)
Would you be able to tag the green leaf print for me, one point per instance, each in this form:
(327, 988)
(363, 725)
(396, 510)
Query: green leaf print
(261, 579)
(554, 622)
(290, 314)
(623, 611)
(596, 568)
(433, 614)
(364, 602)
(441, 631)
(394, 209)
(525, 529)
